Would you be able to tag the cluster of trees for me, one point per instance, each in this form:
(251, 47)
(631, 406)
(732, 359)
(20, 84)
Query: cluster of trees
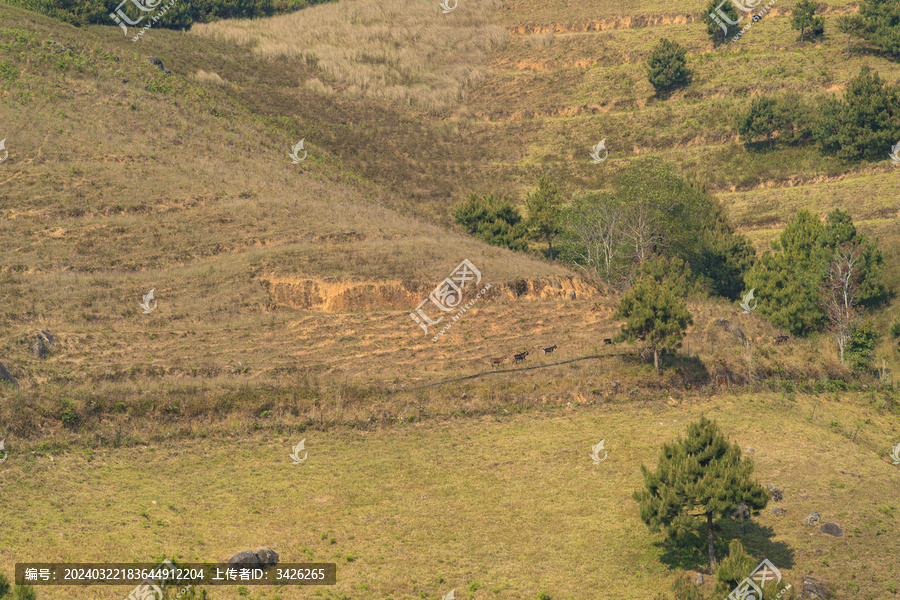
(863, 125)
(660, 238)
(182, 14)
(652, 211)
(498, 221)
(875, 24)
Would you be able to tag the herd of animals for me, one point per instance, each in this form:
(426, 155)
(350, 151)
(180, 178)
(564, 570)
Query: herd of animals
(520, 357)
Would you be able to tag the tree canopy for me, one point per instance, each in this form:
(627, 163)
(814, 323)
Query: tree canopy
(699, 476)
(655, 310)
(667, 67)
(788, 280)
(865, 123)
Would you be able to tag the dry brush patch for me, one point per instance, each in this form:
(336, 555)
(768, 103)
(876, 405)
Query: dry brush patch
(395, 51)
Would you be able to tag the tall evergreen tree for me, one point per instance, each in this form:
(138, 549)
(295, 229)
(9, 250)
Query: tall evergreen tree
(545, 213)
(699, 476)
(853, 26)
(655, 309)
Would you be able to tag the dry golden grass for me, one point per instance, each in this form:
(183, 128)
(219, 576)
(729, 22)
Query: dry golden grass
(403, 52)
(209, 77)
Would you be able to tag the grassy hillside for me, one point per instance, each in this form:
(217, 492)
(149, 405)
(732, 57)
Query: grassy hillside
(504, 506)
(284, 292)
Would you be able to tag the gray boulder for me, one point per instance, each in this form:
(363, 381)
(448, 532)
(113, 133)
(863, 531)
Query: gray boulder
(698, 579)
(267, 557)
(775, 493)
(6, 378)
(778, 511)
(832, 529)
(248, 558)
(742, 512)
(154, 60)
(42, 344)
(245, 558)
(814, 589)
(812, 519)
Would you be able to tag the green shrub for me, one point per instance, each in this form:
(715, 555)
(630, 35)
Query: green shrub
(723, 29)
(495, 220)
(861, 347)
(784, 119)
(24, 592)
(667, 67)
(865, 123)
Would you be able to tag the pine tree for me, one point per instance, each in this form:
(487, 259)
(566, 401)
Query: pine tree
(861, 346)
(655, 309)
(853, 26)
(544, 213)
(667, 67)
(865, 123)
(723, 28)
(880, 24)
(804, 18)
(760, 120)
(788, 281)
(495, 220)
(700, 476)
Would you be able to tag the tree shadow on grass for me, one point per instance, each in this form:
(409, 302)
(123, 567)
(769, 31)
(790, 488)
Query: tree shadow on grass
(691, 369)
(690, 553)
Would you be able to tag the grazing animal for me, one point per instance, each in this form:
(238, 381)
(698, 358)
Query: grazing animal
(781, 339)
(520, 356)
(497, 361)
(550, 349)
(607, 341)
